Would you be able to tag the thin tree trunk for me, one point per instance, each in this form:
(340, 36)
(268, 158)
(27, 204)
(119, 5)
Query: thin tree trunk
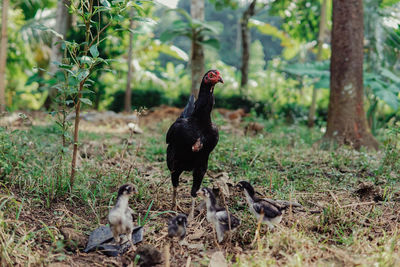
(246, 40)
(76, 136)
(78, 107)
(63, 23)
(197, 53)
(322, 28)
(3, 54)
(128, 91)
(347, 122)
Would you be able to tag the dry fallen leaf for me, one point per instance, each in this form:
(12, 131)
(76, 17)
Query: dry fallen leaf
(196, 235)
(223, 181)
(218, 260)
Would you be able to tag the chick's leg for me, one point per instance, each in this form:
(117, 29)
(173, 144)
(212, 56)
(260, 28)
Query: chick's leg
(130, 237)
(115, 234)
(257, 235)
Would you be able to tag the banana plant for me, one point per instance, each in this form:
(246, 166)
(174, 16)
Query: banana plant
(383, 85)
(197, 31)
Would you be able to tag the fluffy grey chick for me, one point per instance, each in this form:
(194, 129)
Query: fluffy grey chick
(177, 226)
(218, 216)
(120, 216)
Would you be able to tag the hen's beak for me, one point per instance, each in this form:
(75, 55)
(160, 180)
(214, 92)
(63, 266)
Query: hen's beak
(220, 79)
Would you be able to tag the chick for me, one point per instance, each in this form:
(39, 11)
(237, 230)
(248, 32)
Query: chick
(219, 217)
(177, 226)
(120, 216)
(148, 256)
(265, 211)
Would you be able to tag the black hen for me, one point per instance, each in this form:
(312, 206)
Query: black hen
(193, 136)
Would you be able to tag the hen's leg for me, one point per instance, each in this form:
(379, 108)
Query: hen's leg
(175, 182)
(198, 174)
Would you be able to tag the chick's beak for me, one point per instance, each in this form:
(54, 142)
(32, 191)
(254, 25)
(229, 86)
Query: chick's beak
(220, 79)
(200, 193)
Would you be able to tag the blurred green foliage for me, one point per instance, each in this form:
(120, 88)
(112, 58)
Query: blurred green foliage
(282, 74)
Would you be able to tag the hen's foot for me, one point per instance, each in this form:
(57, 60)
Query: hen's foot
(197, 146)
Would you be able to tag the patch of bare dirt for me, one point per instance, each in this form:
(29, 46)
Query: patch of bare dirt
(369, 191)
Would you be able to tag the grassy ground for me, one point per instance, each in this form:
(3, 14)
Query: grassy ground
(350, 198)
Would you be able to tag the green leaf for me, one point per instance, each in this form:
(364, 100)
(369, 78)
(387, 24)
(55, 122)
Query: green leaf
(138, 8)
(86, 101)
(214, 43)
(170, 34)
(316, 69)
(174, 51)
(83, 74)
(93, 51)
(388, 74)
(105, 3)
(47, 29)
(323, 82)
(85, 59)
(119, 18)
(87, 91)
(184, 13)
(389, 98)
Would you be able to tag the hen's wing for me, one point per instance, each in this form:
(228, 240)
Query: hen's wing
(189, 107)
(269, 210)
(182, 132)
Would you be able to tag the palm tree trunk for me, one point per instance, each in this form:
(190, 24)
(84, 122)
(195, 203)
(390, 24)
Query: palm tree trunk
(197, 53)
(3, 54)
(246, 39)
(322, 28)
(128, 91)
(347, 123)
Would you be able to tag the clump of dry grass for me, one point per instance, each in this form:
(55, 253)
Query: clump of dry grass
(338, 227)
(16, 243)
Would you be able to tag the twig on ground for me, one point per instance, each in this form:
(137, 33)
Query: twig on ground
(359, 204)
(334, 198)
(189, 259)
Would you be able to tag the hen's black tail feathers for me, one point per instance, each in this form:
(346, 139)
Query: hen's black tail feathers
(189, 107)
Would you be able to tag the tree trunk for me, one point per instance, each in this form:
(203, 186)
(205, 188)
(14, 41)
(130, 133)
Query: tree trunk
(322, 28)
(63, 23)
(347, 122)
(197, 53)
(246, 40)
(3, 55)
(128, 91)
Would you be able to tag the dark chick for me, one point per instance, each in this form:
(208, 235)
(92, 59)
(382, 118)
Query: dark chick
(219, 217)
(120, 216)
(177, 226)
(192, 137)
(272, 214)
